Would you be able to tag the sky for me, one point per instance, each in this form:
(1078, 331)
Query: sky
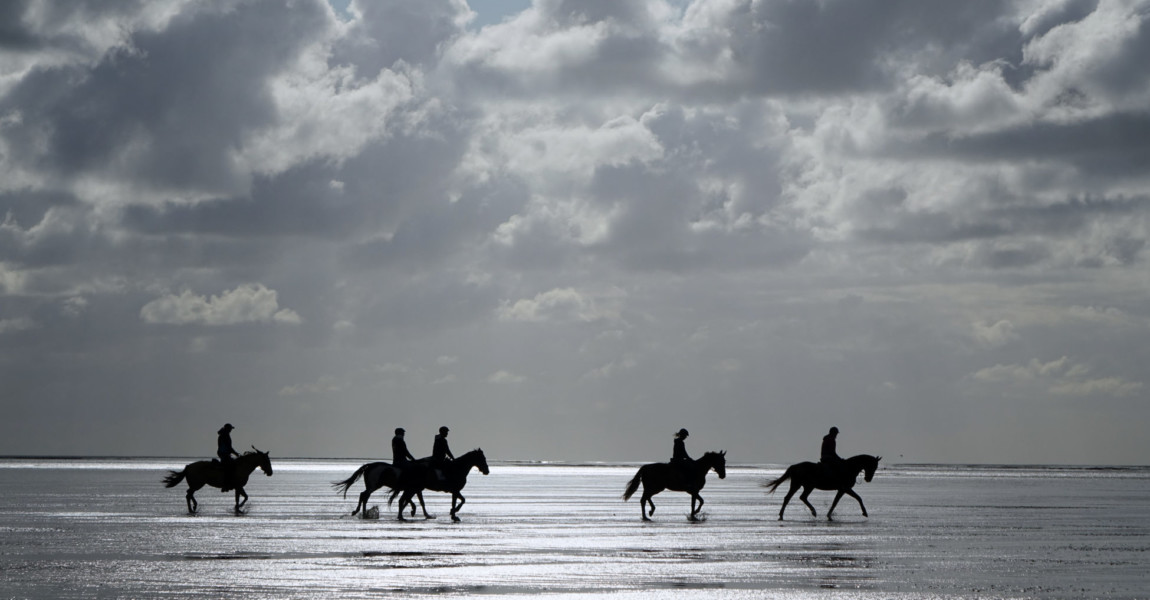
(565, 229)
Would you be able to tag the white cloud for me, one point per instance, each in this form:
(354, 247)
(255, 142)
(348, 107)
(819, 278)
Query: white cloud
(505, 377)
(249, 303)
(324, 385)
(75, 306)
(563, 303)
(1061, 377)
(17, 324)
(994, 334)
(1106, 386)
(1022, 373)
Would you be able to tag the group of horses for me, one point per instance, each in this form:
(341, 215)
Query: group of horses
(407, 482)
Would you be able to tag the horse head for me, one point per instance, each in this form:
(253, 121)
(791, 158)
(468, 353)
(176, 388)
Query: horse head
(718, 462)
(265, 462)
(481, 461)
(870, 467)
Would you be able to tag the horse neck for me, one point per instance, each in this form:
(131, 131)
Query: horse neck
(467, 461)
(707, 461)
(247, 463)
(858, 463)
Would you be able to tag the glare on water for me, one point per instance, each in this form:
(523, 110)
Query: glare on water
(108, 528)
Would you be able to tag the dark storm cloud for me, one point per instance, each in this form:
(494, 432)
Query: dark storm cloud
(1115, 145)
(14, 35)
(796, 47)
(171, 108)
(1064, 219)
(388, 32)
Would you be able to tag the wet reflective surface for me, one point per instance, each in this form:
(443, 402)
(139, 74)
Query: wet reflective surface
(108, 528)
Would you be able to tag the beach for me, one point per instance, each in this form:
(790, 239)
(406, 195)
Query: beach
(102, 528)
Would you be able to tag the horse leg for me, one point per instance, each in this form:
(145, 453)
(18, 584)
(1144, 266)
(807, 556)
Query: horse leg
(455, 507)
(695, 511)
(838, 496)
(807, 492)
(239, 503)
(363, 498)
(191, 498)
(643, 502)
(790, 493)
(852, 494)
(405, 499)
(422, 506)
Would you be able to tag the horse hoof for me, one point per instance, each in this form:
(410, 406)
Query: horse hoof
(455, 518)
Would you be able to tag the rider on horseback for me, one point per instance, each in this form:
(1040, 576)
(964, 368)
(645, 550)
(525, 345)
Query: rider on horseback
(828, 455)
(399, 452)
(440, 453)
(679, 456)
(225, 451)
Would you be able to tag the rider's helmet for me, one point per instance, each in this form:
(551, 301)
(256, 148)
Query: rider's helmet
(398, 431)
(682, 433)
(444, 429)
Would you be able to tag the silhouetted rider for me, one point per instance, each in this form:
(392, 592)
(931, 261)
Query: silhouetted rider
(225, 451)
(399, 453)
(679, 456)
(440, 453)
(828, 456)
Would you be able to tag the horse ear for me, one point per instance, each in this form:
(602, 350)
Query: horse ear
(877, 458)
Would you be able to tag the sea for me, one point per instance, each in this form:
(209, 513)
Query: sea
(107, 528)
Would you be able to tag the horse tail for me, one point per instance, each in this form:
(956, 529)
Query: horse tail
(395, 492)
(633, 485)
(343, 486)
(774, 484)
(173, 479)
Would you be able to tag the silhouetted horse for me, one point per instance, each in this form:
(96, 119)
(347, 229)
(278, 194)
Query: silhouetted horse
(211, 472)
(417, 478)
(375, 475)
(811, 476)
(691, 478)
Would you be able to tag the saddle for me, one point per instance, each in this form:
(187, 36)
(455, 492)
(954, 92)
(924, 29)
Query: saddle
(833, 471)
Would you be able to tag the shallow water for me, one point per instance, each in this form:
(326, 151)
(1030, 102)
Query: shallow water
(108, 528)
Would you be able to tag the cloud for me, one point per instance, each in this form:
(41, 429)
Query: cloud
(1106, 386)
(324, 385)
(16, 324)
(994, 334)
(249, 303)
(1022, 373)
(1061, 377)
(505, 377)
(562, 304)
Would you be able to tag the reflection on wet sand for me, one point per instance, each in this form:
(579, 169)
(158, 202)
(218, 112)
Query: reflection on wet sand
(564, 530)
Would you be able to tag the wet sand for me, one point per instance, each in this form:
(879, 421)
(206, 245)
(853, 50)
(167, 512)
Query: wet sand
(107, 528)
